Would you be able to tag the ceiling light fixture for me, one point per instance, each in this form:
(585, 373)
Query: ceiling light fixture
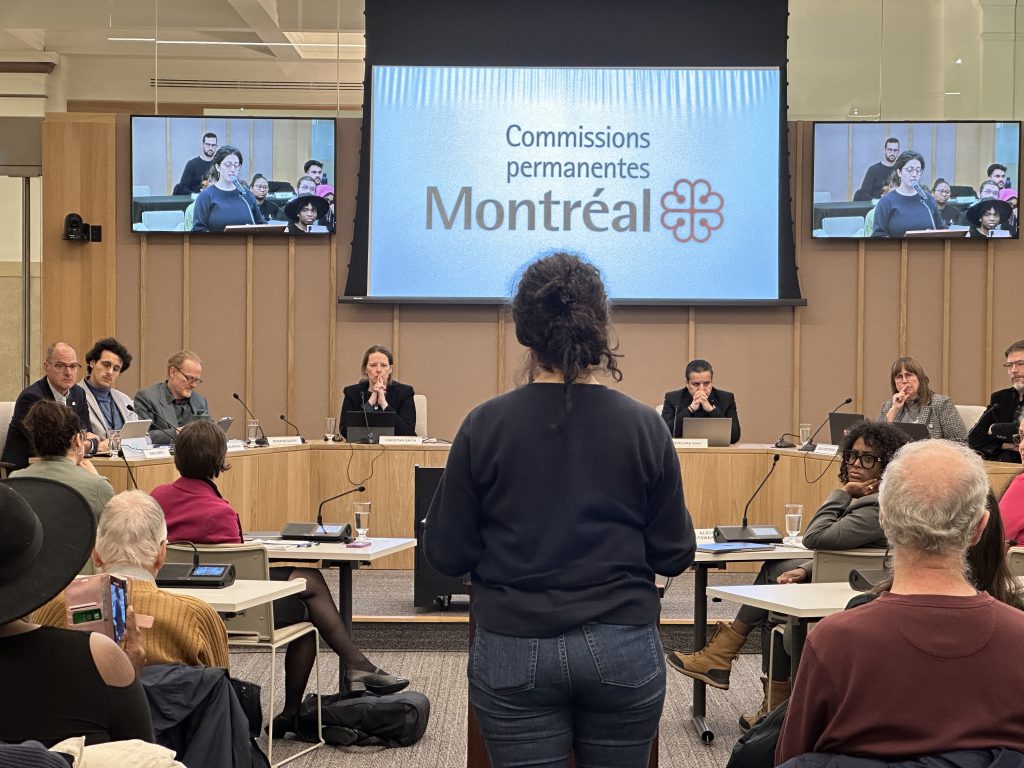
(225, 42)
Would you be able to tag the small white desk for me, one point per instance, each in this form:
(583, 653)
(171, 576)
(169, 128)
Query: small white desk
(702, 563)
(800, 602)
(243, 594)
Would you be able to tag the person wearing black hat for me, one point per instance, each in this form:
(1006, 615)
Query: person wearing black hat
(58, 683)
(986, 216)
(302, 212)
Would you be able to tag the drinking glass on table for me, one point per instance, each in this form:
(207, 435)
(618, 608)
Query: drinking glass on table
(805, 434)
(114, 441)
(330, 425)
(361, 512)
(252, 431)
(794, 520)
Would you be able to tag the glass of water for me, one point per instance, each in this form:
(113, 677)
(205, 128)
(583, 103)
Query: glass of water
(330, 424)
(252, 431)
(361, 513)
(805, 434)
(794, 520)
(114, 441)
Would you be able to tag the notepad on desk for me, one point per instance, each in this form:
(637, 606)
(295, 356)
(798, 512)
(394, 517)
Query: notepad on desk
(726, 547)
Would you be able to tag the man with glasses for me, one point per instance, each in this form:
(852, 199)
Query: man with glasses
(61, 369)
(877, 174)
(993, 435)
(173, 403)
(192, 174)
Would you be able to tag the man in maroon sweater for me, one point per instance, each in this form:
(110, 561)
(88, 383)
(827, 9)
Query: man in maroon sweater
(929, 666)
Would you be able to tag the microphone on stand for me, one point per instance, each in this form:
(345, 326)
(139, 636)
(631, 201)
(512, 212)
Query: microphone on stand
(262, 440)
(761, 534)
(290, 424)
(171, 432)
(242, 194)
(924, 200)
(318, 531)
(782, 442)
(810, 445)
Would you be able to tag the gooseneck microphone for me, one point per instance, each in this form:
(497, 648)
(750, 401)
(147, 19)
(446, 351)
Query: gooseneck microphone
(316, 531)
(810, 445)
(261, 441)
(924, 201)
(171, 431)
(761, 534)
(782, 442)
(320, 509)
(290, 424)
(245, 199)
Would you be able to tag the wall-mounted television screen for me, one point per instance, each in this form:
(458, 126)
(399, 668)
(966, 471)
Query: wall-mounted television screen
(233, 175)
(916, 180)
(475, 171)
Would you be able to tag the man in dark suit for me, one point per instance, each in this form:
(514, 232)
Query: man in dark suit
(61, 368)
(699, 400)
(173, 403)
(992, 436)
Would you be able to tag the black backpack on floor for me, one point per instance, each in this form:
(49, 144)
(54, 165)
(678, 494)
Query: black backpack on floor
(365, 719)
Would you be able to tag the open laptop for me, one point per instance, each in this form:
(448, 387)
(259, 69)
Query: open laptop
(135, 429)
(717, 431)
(913, 430)
(368, 426)
(839, 425)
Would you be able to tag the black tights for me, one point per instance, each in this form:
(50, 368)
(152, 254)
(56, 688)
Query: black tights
(301, 653)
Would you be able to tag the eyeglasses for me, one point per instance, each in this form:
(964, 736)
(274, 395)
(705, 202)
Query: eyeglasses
(1017, 438)
(1011, 364)
(867, 460)
(73, 367)
(230, 165)
(193, 381)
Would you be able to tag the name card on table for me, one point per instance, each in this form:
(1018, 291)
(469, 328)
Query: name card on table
(289, 440)
(158, 452)
(826, 449)
(400, 440)
(690, 442)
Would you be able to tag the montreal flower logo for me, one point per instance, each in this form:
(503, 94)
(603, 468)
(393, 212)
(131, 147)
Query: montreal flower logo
(692, 211)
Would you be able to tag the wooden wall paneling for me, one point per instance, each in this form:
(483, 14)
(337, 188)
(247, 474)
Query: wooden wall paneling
(290, 363)
(79, 280)
(990, 288)
(968, 285)
(691, 334)
(141, 358)
(881, 322)
(282, 487)
(904, 263)
(273, 309)
(186, 294)
(648, 374)
(163, 304)
(240, 484)
(858, 387)
(333, 390)
(947, 267)
(314, 376)
(248, 318)
(794, 413)
(924, 308)
(1006, 326)
(396, 321)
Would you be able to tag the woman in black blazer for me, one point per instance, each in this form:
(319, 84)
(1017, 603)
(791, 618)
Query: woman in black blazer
(377, 391)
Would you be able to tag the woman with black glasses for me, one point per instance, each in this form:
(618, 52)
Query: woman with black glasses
(848, 519)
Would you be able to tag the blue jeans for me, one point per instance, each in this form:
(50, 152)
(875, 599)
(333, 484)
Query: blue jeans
(596, 691)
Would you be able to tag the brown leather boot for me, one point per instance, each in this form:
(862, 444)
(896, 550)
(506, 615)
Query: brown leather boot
(780, 690)
(713, 662)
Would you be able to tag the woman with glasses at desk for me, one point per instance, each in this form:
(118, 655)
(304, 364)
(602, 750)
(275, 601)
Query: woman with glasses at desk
(913, 401)
(226, 202)
(848, 519)
(195, 511)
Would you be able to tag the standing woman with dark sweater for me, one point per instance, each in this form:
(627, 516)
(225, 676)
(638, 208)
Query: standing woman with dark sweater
(563, 499)
(378, 392)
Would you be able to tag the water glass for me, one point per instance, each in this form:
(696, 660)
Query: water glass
(361, 513)
(805, 434)
(252, 431)
(114, 441)
(794, 520)
(330, 425)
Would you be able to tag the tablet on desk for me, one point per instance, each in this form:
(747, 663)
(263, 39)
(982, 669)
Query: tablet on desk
(368, 426)
(718, 432)
(135, 429)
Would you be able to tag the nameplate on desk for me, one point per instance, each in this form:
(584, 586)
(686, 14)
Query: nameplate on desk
(236, 445)
(158, 452)
(292, 440)
(690, 442)
(826, 449)
(400, 440)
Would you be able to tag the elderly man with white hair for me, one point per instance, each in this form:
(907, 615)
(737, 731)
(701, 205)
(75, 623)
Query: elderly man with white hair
(931, 666)
(131, 540)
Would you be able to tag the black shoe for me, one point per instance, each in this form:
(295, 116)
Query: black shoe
(282, 726)
(378, 681)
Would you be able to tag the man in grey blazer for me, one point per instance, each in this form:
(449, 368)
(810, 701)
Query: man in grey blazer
(108, 407)
(173, 403)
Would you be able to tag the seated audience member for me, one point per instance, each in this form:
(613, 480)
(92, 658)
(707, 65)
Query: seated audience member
(260, 187)
(315, 170)
(225, 202)
(997, 174)
(104, 363)
(1011, 224)
(173, 403)
(305, 186)
(884, 680)
(56, 439)
(950, 213)
(326, 191)
(848, 519)
(988, 190)
(986, 216)
(378, 392)
(131, 541)
(58, 683)
(208, 178)
(302, 213)
(993, 434)
(699, 399)
(197, 167)
(57, 385)
(195, 511)
(906, 208)
(1011, 504)
(913, 401)
(877, 174)
(869, 217)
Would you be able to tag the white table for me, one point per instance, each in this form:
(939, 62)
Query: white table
(702, 563)
(243, 594)
(800, 602)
